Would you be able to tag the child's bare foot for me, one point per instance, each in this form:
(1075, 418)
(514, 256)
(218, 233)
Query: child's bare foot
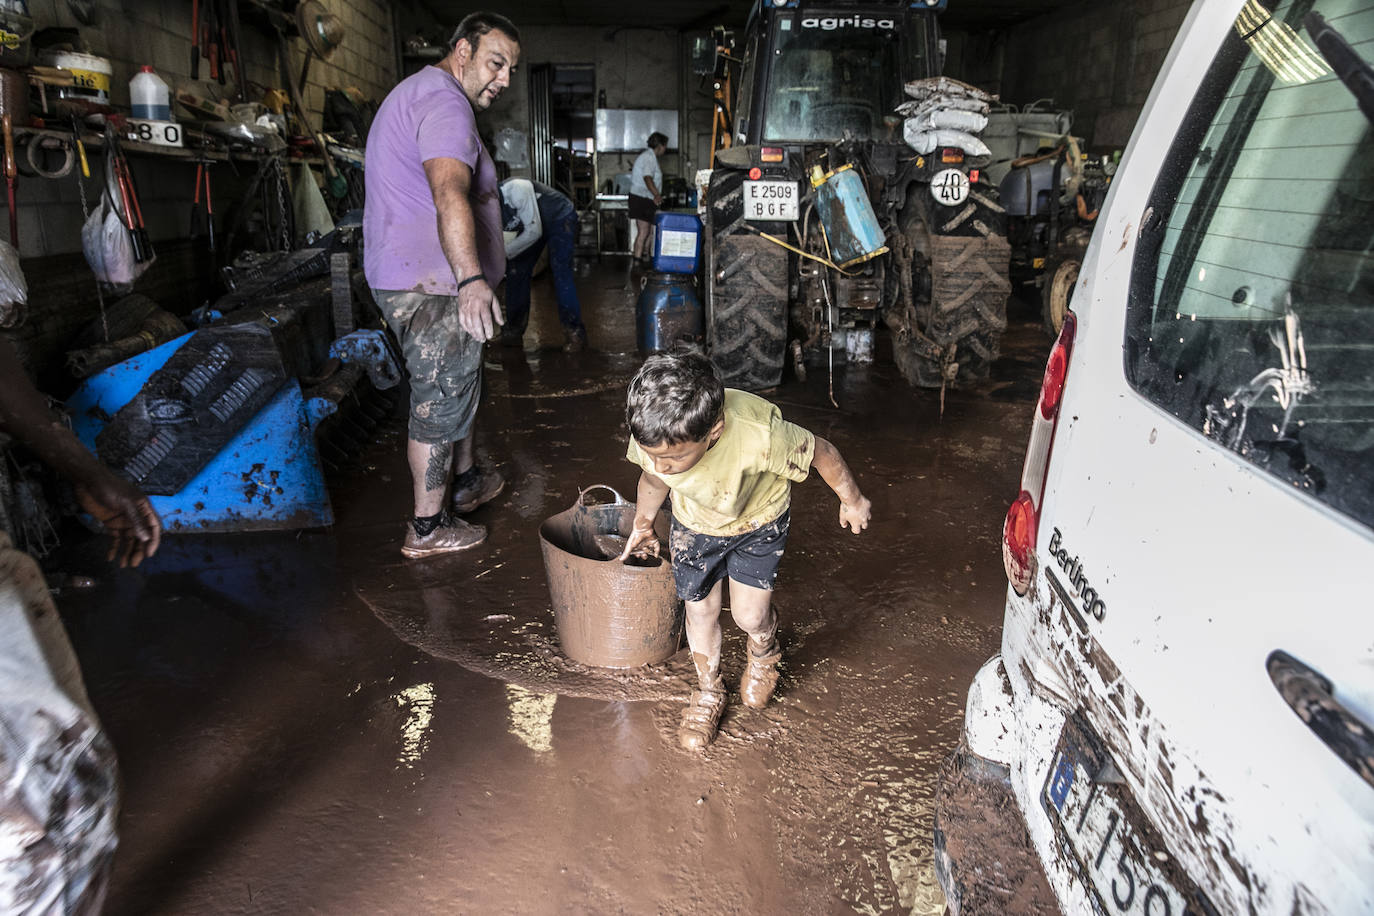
(760, 678)
(701, 717)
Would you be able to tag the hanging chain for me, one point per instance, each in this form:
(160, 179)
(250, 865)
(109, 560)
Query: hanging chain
(279, 174)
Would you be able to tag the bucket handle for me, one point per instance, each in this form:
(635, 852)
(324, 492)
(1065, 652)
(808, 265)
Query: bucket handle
(619, 500)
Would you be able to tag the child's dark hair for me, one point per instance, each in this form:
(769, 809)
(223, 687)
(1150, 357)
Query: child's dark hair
(675, 397)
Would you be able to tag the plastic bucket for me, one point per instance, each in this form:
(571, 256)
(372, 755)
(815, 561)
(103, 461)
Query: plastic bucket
(90, 75)
(608, 614)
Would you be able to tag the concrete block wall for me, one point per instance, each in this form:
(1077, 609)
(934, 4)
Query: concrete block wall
(1099, 60)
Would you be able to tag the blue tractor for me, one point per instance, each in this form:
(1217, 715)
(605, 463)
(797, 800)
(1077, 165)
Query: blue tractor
(815, 136)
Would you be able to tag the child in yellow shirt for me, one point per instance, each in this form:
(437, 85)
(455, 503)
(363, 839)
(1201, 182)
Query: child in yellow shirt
(729, 459)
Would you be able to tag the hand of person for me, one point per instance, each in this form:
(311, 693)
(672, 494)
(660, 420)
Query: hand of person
(641, 540)
(658, 200)
(479, 311)
(854, 516)
(124, 513)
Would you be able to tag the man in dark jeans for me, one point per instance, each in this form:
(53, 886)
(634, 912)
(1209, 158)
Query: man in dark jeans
(534, 215)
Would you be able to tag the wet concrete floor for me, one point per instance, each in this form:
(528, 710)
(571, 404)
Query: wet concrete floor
(306, 722)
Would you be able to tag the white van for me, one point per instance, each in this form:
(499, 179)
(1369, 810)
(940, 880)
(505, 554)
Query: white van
(1183, 703)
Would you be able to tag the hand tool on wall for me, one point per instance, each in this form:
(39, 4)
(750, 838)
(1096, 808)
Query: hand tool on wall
(123, 179)
(80, 148)
(236, 52)
(195, 39)
(11, 176)
(203, 179)
(212, 41)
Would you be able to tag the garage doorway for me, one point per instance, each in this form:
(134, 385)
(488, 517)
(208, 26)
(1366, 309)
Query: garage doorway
(563, 126)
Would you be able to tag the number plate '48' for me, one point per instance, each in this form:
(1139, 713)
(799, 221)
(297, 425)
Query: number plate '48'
(771, 200)
(1114, 851)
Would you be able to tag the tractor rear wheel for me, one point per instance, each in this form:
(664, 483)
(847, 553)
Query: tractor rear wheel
(965, 314)
(746, 291)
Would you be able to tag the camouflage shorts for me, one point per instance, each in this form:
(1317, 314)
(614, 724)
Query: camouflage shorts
(444, 363)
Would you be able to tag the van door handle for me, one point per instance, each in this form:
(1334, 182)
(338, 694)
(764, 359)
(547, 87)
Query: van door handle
(1309, 694)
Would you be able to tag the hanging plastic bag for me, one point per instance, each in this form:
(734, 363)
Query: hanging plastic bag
(108, 248)
(14, 289)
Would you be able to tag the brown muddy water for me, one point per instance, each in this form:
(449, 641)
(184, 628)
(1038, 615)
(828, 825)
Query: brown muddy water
(307, 722)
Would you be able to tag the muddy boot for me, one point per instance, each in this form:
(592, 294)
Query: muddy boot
(474, 487)
(702, 716)
(760, 676)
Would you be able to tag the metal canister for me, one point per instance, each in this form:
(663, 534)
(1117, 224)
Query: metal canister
(851, 226)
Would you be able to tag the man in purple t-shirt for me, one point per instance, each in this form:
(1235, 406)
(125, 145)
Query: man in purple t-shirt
(433, 254)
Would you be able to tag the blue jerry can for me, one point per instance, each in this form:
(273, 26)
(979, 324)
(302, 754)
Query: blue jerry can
(847, 214)
(677, 242)
(668, 312)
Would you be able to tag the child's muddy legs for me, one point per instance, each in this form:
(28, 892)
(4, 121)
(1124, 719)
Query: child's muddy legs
(704, 635)
(752, 609)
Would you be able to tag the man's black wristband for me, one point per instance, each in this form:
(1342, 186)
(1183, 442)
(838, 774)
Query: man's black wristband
(472, 279)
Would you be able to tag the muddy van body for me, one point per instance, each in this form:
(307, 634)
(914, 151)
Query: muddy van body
(1183, 701)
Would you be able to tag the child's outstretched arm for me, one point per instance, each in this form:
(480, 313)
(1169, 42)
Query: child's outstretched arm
(854, 506)
(648, 499)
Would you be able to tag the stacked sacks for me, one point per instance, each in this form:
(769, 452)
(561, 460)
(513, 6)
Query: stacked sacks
(945, 112)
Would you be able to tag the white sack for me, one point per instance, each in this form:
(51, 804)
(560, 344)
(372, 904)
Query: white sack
(927, 141)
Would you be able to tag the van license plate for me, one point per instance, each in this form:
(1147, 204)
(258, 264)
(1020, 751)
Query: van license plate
(770, 200)
(1112, 851)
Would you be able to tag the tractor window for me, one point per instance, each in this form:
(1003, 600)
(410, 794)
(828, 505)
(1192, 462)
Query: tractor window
(833, 75)
(1252, 305)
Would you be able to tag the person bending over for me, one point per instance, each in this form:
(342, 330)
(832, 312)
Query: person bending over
(535, 215)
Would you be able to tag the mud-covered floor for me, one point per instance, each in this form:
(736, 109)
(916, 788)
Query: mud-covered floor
(306, 722)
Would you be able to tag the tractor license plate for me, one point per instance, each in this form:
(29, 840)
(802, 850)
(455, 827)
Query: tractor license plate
(771, 200)
(1113, 850)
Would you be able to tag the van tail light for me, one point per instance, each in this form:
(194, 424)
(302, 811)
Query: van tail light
(1021, 529)
(771, 154)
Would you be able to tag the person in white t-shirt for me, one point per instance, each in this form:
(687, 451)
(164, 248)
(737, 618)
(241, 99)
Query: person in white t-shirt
(646, 192)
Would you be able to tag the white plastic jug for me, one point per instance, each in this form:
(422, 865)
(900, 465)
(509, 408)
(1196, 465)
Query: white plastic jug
(149, 95)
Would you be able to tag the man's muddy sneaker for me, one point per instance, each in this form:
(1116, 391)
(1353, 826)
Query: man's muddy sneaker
(760, 678)
(475, 486)
(452, 535)
(701, 717)
(574, 340)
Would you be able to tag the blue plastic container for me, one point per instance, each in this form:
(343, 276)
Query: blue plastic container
(668, 312)
(848, 217)
(677, 242)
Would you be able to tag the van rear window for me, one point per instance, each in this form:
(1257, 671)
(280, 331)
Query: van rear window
(1252, 305)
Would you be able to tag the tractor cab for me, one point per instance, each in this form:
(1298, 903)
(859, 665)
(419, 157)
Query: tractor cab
(833, 71)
